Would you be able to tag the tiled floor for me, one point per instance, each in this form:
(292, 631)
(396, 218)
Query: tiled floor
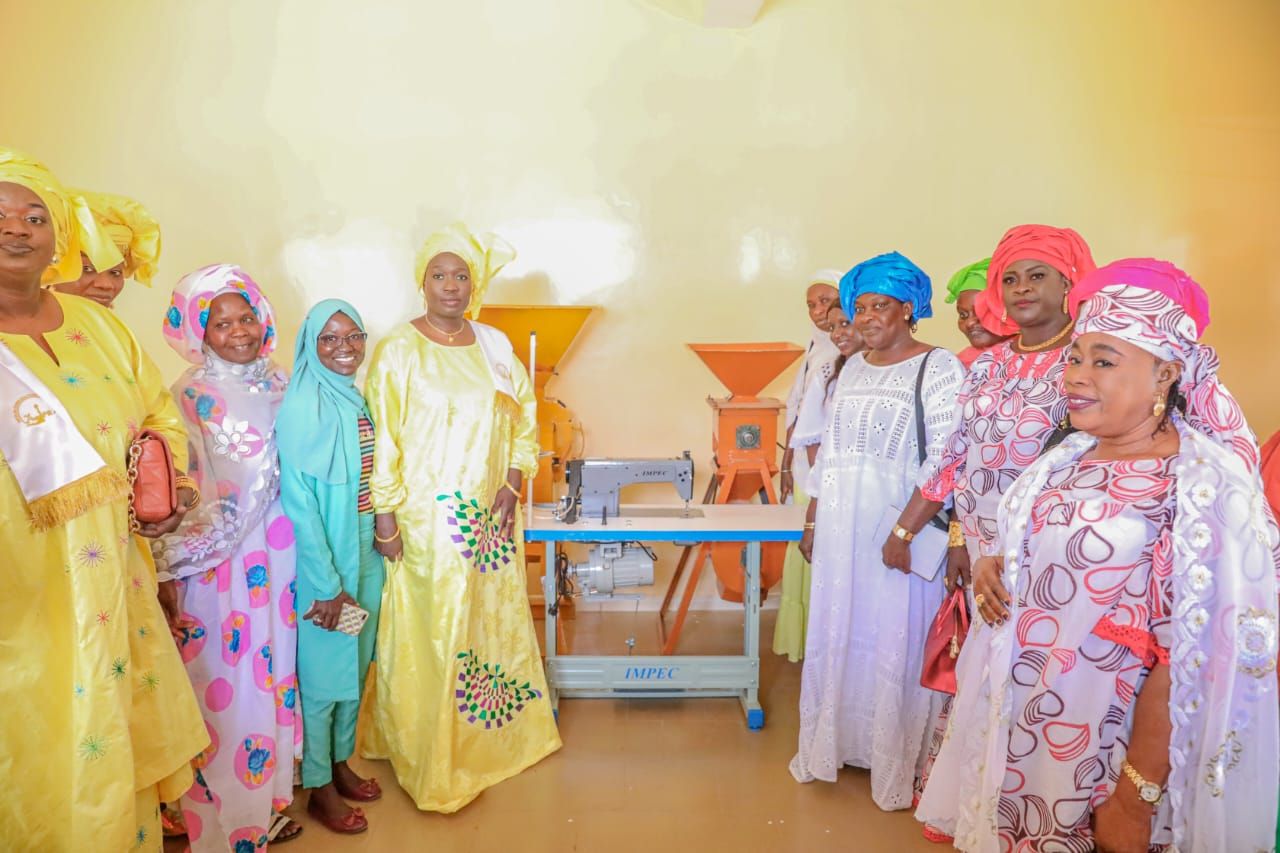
(649, 775)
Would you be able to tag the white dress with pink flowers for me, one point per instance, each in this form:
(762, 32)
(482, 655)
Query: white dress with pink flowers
(234, 555)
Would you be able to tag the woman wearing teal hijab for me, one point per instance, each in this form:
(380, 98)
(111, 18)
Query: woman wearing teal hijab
(325, 436)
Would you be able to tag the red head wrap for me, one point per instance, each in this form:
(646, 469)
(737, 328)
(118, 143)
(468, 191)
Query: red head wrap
(1060, 248)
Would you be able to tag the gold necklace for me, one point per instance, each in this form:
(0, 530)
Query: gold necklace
(449, 335)
(1066, 330)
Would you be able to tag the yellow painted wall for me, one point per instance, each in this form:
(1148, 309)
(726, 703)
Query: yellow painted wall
(685, 178)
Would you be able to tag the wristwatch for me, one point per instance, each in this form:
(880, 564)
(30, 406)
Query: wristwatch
(903, 533)
(1149, 792)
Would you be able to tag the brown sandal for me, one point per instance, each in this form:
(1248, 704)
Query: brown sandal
(352, 823)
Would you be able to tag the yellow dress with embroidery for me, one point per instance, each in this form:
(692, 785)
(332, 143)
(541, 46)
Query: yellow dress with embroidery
(99, 722)
(460, 701)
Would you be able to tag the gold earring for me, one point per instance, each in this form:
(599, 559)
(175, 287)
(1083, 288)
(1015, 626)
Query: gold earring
(1066, 301)
(1159, 407)
(1004, 318)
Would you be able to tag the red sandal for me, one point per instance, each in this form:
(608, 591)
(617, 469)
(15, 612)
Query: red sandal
(352, 823)
(366, 792)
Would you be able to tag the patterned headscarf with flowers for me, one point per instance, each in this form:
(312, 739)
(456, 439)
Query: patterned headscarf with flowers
(1159, 308)
(188, 313)
(230, 414)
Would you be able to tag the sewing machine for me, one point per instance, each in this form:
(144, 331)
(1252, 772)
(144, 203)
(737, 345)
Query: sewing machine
(618, 558)
(595, 484)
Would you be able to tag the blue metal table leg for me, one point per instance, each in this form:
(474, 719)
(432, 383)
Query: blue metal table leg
(751, 637)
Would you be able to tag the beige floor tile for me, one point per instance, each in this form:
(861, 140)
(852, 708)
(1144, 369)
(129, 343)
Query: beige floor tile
(661, 776)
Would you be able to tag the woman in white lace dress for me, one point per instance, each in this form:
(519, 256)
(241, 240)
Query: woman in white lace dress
(861, 702)
(793, 610)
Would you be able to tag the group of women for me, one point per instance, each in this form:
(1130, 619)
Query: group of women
(178, 673)
(1104, 516)
(1078, 474)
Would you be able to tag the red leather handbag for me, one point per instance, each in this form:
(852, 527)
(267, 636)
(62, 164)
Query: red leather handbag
(152, 478)
(942, 645)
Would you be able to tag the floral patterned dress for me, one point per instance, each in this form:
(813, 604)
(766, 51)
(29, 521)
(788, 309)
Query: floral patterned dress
(1115, 567)
(235, 553)
(1094, 615)
(1009, 405)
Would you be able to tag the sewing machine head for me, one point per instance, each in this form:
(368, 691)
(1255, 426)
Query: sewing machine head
(595, 484)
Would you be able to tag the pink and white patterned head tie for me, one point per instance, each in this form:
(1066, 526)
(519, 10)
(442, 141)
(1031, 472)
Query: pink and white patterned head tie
(1159, 308)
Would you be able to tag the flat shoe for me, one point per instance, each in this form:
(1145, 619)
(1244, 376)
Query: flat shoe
(352, 823)
(366, 792)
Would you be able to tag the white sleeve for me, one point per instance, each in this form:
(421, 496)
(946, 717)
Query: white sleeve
(942, 384)
(811, 419)
(796, 395)
(813, 482)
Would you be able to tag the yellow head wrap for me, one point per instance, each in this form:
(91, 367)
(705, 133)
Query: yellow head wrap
(132, 229)
(485, 255)
(74, 227)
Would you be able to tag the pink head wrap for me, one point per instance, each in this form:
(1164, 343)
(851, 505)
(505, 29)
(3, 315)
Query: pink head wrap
(1159, 308)
(1060, 248)
(188, 312)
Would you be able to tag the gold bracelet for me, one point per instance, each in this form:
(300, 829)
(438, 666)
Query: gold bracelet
(955, 535)
(808, 525)
(506, 484)
(182, 481)
(393, 537)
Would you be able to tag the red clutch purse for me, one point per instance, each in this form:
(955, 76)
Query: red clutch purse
(942, 645)
(152, 478)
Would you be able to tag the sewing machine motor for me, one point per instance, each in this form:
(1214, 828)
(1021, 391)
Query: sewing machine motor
(613, 565)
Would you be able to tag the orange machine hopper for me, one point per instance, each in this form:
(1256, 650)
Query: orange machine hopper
(744, 441)
(557, 327)
(745, 369)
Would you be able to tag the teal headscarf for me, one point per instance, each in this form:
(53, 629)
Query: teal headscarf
(317, 430)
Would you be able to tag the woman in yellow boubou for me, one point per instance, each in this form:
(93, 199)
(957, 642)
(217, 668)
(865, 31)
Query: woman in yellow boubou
(100, 722)
(460, 701)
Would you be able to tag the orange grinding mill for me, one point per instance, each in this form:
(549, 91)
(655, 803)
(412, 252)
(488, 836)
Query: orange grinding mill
(560, 434)
(744, 443)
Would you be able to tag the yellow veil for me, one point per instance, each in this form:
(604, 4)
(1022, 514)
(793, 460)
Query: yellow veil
(132, 229)
(485, 255)
(75, 229)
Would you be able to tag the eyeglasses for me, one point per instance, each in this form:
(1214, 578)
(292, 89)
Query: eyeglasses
(351, 339)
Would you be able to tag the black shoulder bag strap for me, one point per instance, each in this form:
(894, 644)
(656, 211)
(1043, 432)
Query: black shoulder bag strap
(940, 520)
